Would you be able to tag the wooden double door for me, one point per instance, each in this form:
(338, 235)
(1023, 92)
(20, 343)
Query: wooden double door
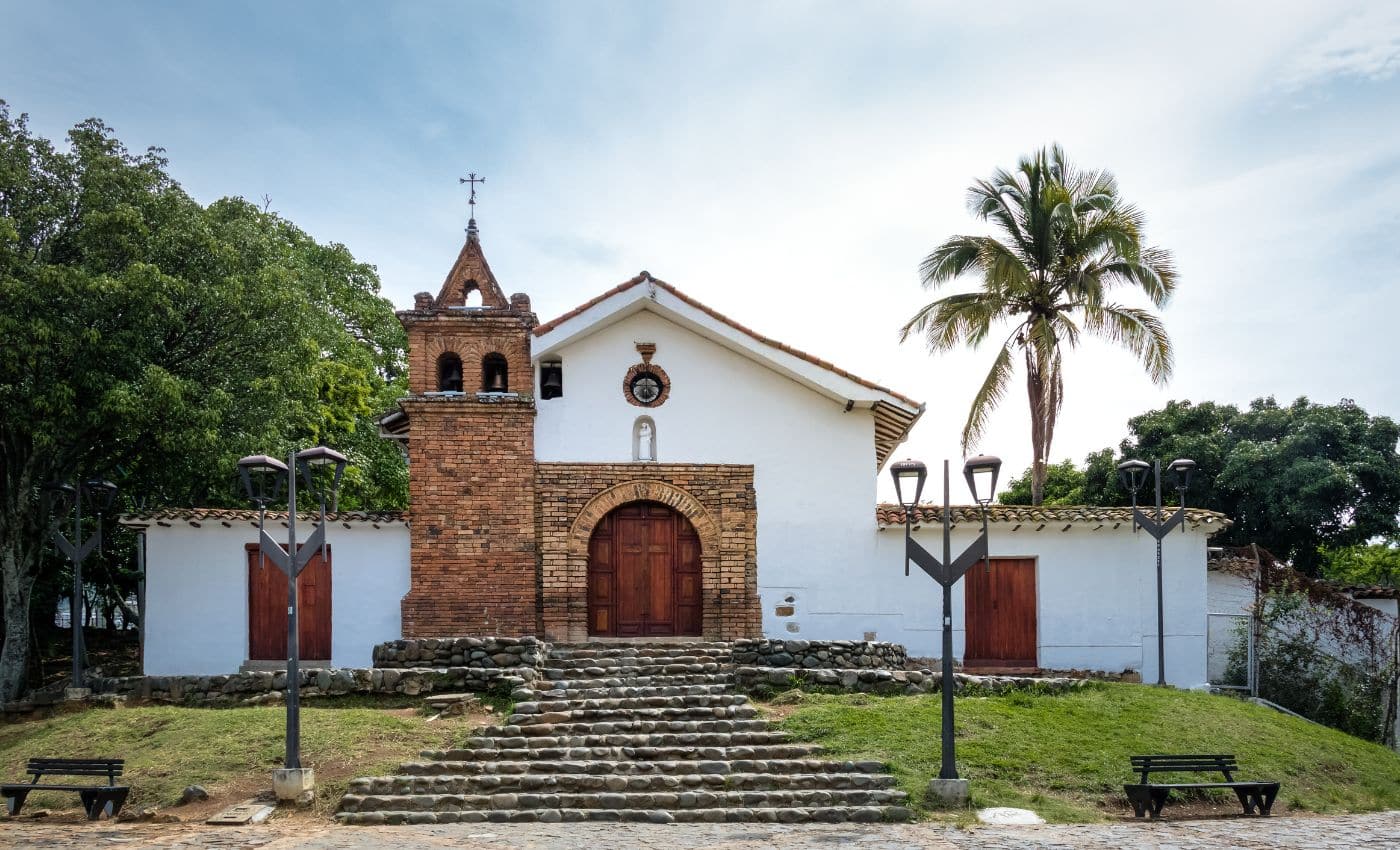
(267, 609)
(644, 574)
(1001, 614)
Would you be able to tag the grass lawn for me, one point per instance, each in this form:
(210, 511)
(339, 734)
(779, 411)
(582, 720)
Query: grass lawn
(1066, 757)
(230, 751)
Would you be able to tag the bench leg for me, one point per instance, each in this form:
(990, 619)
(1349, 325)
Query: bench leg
(1140, 799)
(1159, 799)
(1247, 799)
(1267, 796)
(115, 801)
(14, 801)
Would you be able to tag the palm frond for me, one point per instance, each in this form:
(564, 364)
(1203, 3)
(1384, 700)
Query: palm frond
(1139, 331)
(989, 395)
(956, 319)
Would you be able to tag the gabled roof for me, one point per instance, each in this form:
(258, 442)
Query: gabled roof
(895, 413)
(471, 271)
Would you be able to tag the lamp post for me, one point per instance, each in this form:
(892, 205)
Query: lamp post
(909, 476)
(263, 479)
(99, 494)
(1133, 475)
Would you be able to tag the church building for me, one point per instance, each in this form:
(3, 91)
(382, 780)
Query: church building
(644, 466)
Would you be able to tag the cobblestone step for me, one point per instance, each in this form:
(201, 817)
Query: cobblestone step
(618, 692)
(717, 778)
(572, 653)
(594, 669)
(670, 801)
(677, 701)
(805, 814)
(575, 716)
(560, 681)
(627, 767)
(621, 751)
(493, 738)
(626, 727)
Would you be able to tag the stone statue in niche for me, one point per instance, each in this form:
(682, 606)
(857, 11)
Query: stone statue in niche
(644, 440)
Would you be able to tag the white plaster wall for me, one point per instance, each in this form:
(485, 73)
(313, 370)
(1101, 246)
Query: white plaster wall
(1096, 597)
(814, 463)
(1228, 595)
(197, 593)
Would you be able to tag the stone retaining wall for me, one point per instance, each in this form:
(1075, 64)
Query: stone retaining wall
(821, 654)
(266, 686)
(872, 681)
(486, 653)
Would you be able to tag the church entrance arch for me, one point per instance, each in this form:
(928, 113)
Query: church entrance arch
(644, 573)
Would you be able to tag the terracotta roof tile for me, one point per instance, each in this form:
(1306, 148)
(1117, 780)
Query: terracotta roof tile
(231, 515)
(1048, 515)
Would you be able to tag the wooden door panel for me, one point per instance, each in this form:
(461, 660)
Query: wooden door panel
(644, 573)
(267, 609)
(1001, 614)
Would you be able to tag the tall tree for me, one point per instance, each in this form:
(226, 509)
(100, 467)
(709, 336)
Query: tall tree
(1066, 240)
(151, 340)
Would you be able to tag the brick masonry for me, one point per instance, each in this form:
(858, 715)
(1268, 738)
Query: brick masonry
(719, 501)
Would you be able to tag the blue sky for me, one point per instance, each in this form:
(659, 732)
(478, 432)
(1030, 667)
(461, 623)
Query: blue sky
(790, 163)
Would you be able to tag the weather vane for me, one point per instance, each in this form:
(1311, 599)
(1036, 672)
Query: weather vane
(473, 180)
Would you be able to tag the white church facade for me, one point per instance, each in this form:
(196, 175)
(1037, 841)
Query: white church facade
(644, 466)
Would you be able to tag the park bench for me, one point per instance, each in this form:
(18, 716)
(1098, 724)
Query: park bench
(1149, 797)
(97, 799)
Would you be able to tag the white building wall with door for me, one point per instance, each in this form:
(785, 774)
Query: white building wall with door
(197, 590)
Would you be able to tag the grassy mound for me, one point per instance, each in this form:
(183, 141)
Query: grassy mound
(231, 752)
(1066, 757)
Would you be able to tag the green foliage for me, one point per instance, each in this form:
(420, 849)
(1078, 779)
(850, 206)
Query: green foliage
(1066, 757)
(1064, 485)
(153, 341)
(1365, 564)
(1067, 240)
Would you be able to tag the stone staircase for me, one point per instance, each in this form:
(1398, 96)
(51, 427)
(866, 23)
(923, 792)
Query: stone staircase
(629, 732)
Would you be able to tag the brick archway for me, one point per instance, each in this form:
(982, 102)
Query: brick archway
(717, 500)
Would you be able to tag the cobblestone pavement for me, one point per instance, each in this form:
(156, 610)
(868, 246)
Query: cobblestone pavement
(1381, 830)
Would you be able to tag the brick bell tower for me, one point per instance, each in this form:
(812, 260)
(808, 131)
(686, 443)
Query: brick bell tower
(471, 449)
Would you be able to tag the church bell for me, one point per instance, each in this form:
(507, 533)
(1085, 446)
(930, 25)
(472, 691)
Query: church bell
(498, 383)
(553, 384)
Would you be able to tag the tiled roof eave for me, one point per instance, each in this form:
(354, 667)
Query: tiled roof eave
(1044, 517)
(231, 516)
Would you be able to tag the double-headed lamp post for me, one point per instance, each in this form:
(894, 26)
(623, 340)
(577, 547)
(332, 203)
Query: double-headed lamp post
(263, 480)
(909, 475)
(99, 494)
(1133, 475)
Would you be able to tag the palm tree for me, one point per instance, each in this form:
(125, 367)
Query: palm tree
(1066, 240)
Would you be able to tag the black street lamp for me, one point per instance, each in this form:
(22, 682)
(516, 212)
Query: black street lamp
(909, 475)
(99, 494)
(1133, 475)
(263, 480)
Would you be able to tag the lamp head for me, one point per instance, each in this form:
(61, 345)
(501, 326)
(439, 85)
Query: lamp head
(1181, 470)
(1132, 474)
(61, 496)
(315, 459)
(981, 475)
(909, 477)
(263, 479)
(101, 492)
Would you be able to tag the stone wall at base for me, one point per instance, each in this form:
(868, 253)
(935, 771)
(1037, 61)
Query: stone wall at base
(821, 654)
(265, 686)
(871, 681)
(471, 652)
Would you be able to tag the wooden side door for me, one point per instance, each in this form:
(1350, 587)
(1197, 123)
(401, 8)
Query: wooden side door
(267, 609)
(688, 586)
(602, 600)
(1001, 614)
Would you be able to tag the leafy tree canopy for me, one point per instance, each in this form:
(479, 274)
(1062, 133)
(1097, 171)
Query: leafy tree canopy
(152, 340)
(1366, 564)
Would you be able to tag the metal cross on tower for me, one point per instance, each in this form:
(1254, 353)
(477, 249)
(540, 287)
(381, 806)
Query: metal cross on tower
(472, 179)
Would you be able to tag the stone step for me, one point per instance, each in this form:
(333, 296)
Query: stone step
(626, 727)
(617, 692)
(623, 768)
(492, 738)
(560, 681)
(576, 716)
(621, 752)
(596, 667)
(679, 650)
(627, 703)
(597, 783)
(665, 800)
(806, 814)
